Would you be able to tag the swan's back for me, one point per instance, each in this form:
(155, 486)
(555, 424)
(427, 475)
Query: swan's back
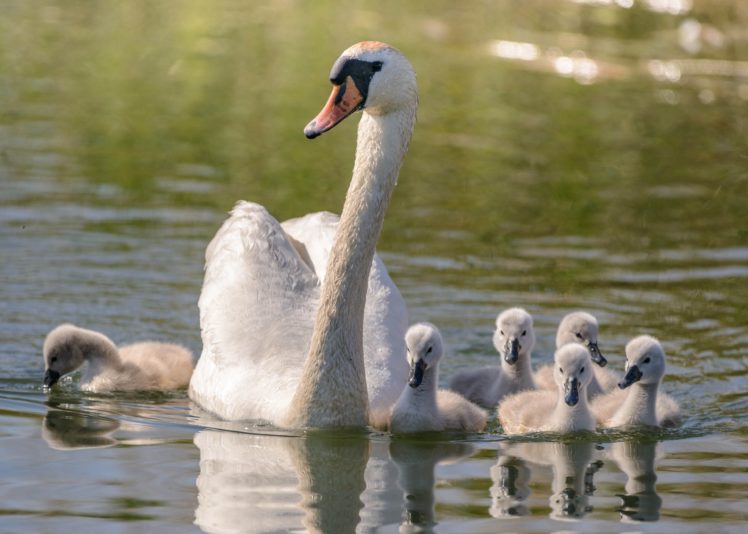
(458, 413)
(667, 410)
(527, 411)
(162, 365)
(480, 386)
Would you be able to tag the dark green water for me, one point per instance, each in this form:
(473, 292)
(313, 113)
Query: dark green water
(567, 155)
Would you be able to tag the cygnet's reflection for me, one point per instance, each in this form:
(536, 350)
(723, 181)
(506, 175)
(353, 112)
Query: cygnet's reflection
(573, 470)
(416, 462)
(637, 461)
(510, 488)
(66, 429)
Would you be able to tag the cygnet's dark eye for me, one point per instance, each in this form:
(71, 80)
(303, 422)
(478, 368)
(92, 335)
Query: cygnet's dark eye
(581, 371)
(376, 66)
(524, 332)
(428, 351)
(646, 360)
(53, 359)
(579, 335)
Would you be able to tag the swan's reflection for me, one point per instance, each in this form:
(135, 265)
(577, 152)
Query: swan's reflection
(637, 461)
(66, 429)
(416, 461)
(573, 471)
(320, 482)
(253, 483)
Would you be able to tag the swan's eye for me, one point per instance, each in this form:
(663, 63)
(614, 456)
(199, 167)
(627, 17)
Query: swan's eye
(524, 332)
(561, 370)
(579, 336)
(428, 351)
(501, 332)
(647, 359)
(581, 371)
(376, 66)
(53, 359)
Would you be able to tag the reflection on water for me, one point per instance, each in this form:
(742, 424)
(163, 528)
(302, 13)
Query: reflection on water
(637, 461)
(325, 482)
(572, 483)
(63, 430)
(415, 461)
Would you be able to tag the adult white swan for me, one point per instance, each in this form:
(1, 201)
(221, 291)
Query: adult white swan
(294, 325)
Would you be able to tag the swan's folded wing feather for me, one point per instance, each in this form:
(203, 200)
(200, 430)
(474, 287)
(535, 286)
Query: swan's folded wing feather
(257, 307)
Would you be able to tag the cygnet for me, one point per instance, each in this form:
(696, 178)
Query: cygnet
(546, 411)
(580, 327)
(638, 401)
(514, 339)
(141, 366)
(422, 407)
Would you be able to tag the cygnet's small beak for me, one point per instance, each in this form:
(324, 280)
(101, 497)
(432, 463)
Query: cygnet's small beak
(512, 353)
(416, 373)
(596, 355)
(632, 375)
(571, 391)
(344, 100)
(51, 377)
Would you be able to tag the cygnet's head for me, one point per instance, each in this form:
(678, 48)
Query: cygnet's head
(514, 334)
(572, 371)
(581, 327)
(369, 75)
(645, 362)
(424, 347)
(63, 353)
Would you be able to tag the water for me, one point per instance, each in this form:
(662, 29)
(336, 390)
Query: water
(567, 155)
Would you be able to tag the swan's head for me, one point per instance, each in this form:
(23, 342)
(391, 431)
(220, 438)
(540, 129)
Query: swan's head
(645, 362)
(572, 371)
(580, 327)
(63, 353)
(424, 347)
(514, 336)
(369, 75)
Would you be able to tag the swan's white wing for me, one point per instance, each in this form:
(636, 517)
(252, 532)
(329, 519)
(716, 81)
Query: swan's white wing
(385, 315)
(257, 308)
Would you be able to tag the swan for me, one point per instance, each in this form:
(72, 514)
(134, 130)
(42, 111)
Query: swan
(423, 408)
(514, 339)
(580, 327)
(547, 411)
(285, 340)
(638, 401)
(145, 365)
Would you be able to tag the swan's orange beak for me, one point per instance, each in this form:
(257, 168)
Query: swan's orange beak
(344, 100)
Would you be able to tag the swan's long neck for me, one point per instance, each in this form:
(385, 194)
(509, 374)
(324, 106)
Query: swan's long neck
(99, 351)
(640, 406)
(572, 418)
(424, 396)
(332, 390)
(520, 372)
